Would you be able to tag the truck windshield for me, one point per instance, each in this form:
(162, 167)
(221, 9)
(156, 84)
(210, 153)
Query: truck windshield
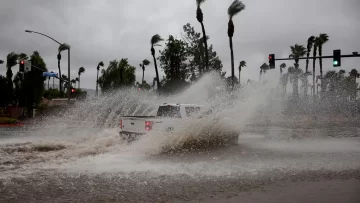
(169, 111)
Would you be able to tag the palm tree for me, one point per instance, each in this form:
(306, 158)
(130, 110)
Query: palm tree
(235, 8)
(310, 43)
(353, 75)
(97, 76)
(316, 42)
(263, 68)
(241, 64)
(11, 60)
(64, 80)
(81, 70)
(153, 85)
(73, 81)
(323, 38)
(200, 18)
(145, 62)
(282, 66)
(61, 48)
(77, 80)
(154, 42)
(297, 51)
(284, 81)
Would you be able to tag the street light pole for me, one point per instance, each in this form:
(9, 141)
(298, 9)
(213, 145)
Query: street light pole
(30, 31)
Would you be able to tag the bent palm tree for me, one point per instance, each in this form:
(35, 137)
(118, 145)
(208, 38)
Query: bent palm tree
(64, 79)
(297, 51)
(73, 81)
(145, 62)
(154, 42)
(200, 18)
(97, 76)
(284, 81)
(310, 43)
(81, 70)
(77, 80)
(61, 48)
(316, 42)
(241, 64)
(263, 68)
(235, 8)
(11, 60)
(322, 39)
(282, 66)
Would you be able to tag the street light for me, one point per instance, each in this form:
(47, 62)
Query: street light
(30, 31)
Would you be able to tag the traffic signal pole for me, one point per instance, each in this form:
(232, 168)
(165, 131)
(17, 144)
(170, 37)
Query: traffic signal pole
(317, 57)
(336, 60)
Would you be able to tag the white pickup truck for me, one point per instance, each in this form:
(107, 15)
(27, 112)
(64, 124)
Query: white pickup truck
(165, 119)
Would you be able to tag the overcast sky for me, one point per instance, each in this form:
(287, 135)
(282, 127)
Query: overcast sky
(103, 30)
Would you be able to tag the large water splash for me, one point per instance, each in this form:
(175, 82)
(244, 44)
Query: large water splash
(91, 128)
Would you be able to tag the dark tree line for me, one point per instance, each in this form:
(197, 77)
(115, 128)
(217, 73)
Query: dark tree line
(181, 59)
(23, 89)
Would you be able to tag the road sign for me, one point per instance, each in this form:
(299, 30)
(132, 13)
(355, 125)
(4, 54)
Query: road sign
(27, 65)
(49, 74)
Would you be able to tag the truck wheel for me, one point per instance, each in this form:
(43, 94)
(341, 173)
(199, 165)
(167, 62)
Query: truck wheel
(124, 137)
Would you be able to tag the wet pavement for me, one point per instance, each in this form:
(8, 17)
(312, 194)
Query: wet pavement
(268, 164)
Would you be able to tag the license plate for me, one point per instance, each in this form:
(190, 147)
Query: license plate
(169, 129)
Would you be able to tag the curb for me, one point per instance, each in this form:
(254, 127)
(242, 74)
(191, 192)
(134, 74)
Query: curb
(11, 125)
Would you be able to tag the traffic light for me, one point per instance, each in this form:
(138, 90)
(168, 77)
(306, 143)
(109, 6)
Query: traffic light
(272, 61)
(22, 66)
(72, 90)
(337, 58)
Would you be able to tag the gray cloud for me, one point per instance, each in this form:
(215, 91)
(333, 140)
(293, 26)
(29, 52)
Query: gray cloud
(107, 30)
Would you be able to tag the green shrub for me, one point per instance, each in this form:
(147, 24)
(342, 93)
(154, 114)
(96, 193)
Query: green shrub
(51, 93)
(4, 120)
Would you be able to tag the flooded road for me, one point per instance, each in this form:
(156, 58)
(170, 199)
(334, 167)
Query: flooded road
(269, 164)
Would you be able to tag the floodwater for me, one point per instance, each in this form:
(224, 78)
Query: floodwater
(101, 167)
(77, 156)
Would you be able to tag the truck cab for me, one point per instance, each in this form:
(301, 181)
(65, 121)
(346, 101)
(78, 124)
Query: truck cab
(177, 110)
